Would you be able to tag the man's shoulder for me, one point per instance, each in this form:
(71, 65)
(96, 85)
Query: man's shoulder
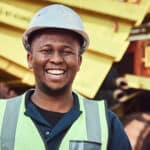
(12, 100)
(2, 100)
(117, 133)
(19, 97)
(80, 97)
(113, 118)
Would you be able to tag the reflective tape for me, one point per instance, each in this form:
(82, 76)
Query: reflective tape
(9, 123)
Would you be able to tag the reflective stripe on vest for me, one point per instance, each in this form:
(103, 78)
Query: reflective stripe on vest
(93, 125)
(10, 120)
(78, 131)
(27, 136)
(86, 128)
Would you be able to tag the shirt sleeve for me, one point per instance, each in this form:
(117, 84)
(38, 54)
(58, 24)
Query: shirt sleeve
(118, 139)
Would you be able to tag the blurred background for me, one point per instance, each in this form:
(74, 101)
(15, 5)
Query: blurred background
(116, 67)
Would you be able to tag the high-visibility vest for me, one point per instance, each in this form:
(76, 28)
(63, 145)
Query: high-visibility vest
(18, 132)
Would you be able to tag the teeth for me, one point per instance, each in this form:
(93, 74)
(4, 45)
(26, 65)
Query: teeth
(55, 72)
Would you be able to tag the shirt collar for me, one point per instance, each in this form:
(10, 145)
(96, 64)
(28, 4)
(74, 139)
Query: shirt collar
(32, 111)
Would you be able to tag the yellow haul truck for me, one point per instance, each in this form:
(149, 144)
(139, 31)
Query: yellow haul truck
(115, 65)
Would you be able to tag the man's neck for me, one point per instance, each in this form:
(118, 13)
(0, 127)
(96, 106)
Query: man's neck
(59, 103)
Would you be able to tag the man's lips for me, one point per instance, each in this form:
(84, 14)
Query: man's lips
(55, 71)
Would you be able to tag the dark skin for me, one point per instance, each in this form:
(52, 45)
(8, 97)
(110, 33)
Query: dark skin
(55, 59)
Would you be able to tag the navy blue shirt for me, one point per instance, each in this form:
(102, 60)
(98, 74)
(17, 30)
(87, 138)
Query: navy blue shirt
(52, 135)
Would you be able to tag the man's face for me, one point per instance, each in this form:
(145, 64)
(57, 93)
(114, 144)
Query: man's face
(55, 59)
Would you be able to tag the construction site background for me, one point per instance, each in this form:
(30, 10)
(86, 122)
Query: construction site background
(118, 57)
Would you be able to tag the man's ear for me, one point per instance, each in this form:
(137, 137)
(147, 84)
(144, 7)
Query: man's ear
(29, 59)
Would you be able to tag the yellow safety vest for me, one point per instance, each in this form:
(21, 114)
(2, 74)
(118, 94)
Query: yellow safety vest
(89, 131)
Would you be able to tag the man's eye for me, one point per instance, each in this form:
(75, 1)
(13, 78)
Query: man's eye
(46, 51)
(67, 52)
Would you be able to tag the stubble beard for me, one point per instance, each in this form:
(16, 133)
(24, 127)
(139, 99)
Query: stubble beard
(52, 91)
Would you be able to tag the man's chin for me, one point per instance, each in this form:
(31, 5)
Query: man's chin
(54, 91)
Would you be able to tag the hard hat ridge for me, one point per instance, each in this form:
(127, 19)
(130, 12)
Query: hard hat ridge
(56, 16)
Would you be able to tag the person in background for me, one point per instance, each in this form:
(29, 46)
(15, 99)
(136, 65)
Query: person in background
(3, 90)
(52, 116)
(6, 91)
(114, 88)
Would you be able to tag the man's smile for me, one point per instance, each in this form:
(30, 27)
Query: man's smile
(55, 71)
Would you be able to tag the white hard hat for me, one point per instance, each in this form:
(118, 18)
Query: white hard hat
(59, 17)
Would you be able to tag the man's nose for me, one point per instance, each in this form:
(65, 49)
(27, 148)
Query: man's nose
(56, 58)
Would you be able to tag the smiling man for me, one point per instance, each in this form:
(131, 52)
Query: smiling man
(55, 58)
(52, 116)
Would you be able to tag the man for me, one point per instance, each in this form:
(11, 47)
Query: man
(52, 116)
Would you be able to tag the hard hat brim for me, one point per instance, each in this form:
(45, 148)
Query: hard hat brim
(27, 34)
